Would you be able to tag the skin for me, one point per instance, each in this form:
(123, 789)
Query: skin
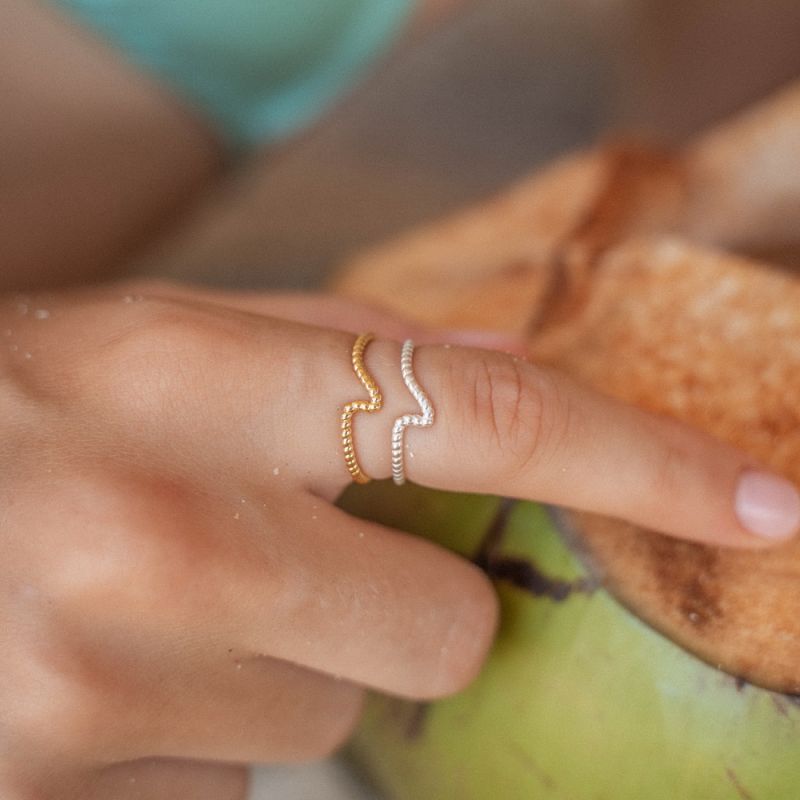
(178, 594)
(126, 155)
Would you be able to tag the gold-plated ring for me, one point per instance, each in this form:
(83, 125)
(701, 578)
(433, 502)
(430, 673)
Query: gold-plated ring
(374, 403)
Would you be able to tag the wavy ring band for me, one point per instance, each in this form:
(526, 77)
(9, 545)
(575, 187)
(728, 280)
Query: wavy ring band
(422, 420)
(374, 403)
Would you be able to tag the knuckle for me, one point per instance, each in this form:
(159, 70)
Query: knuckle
(116, 557)
(159, 331)
(160, 350)
(670, 470)
(102, 543)
(516, 408)
(119, 556)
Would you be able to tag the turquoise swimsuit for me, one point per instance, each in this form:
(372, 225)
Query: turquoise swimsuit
(259, 69)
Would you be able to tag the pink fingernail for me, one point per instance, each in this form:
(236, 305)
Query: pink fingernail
(767, 505)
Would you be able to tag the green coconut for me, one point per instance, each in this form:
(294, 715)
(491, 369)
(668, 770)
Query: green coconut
(580, 699)
(628, 665)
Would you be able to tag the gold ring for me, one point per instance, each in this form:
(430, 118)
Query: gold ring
(374, 403)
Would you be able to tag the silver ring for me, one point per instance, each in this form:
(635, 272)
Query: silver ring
(422, 420)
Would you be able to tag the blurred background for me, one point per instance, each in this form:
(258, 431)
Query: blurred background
(481, 96)
(455, 113)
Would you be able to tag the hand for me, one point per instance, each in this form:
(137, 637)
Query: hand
(178, 595)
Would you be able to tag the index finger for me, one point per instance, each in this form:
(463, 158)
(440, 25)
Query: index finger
(260, 399)
(505, 426)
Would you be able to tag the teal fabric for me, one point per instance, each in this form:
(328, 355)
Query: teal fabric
(260, 69)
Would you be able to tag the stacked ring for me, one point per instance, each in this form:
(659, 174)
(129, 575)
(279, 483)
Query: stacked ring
(375, 403)
(422, 420)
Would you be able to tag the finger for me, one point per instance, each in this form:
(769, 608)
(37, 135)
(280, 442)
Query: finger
(507, 427)
(261, 399)
(153, 642)
(214, 581)
(233, 705)
(363, 602)
(165, 779)
(304, 582)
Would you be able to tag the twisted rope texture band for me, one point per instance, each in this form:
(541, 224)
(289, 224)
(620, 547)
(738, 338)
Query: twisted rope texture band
(374, 403)
(422, 420)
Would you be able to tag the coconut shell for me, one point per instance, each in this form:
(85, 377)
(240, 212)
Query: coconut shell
(623, 266)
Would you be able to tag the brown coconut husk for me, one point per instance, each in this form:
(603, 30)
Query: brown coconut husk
(662, 279)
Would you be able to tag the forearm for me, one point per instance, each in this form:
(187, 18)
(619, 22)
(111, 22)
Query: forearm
(95, 156)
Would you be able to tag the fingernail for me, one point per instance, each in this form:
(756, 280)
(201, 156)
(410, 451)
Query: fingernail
(488, 340)
(767, 505)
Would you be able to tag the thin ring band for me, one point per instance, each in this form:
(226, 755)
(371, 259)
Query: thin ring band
(374, 403)
(422, 420)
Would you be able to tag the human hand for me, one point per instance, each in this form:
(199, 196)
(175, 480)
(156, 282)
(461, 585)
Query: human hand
(178, 595)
